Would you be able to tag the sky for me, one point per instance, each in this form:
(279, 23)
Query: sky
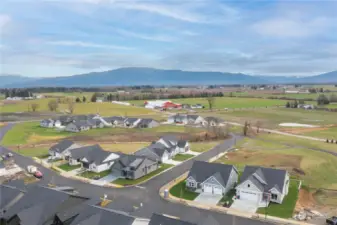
(47, 38)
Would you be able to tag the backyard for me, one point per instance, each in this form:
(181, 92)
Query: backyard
(126, 182)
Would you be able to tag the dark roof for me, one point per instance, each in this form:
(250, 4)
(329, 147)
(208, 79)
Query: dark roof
(182, 143)
(65, 119)
(170, 138)
(201, 171)
(132, 161)
(146, 121)
(62, 146)
(7, 194)
(157, 219)
(264, 178)
(94, 215)
(193, 117)
(40, 205)
(93, 153)
(131, 120)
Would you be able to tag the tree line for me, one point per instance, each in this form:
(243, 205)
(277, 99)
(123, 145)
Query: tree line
(23, 93)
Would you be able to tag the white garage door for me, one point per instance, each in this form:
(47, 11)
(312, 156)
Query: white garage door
(217, 190)
(164, 158)
(250, 196)
(208, 188)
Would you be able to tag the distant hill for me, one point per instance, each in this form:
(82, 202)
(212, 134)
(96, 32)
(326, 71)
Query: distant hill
(7, 79)
(149, 76)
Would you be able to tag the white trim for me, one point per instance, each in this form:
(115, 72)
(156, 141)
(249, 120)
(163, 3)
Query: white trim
(212, 177)
(243, 186)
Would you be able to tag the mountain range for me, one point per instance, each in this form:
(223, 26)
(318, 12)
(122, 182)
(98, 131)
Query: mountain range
(148, 76)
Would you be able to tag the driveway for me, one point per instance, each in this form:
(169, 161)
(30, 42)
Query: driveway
(244, 205)
(208, 198)
(111, 177)
(191, 153)
(172, 162)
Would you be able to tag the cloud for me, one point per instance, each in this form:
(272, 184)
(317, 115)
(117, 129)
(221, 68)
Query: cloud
(292, 28)
(4, 21)
(87, 45)
(151, 37)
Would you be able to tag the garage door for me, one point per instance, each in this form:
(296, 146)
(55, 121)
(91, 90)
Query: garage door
(208, 188)
(217, 190)
(250, 196)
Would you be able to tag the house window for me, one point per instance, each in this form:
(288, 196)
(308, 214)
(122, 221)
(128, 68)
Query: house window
(191, 184)
(274, 196)
(248, 185)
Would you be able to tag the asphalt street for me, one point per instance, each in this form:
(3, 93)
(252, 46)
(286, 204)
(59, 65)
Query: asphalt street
(129, 199)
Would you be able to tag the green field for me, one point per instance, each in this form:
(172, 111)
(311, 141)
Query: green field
(316, 169)
(328, 133)
(39, 152)
(126, 182)
(286, 209)
(203, 146)
(179, 190)
(32, 133)
(271, 118)
(67, 167)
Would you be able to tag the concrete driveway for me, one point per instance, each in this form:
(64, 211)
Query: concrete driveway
(172, 162)
(244, 205)
(208, 198)
(108, 179)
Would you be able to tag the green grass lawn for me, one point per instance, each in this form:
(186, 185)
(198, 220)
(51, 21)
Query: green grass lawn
(316, 169)
(67, 167)
(91, 175)
(39, 152)
(179, 190)
(330, 133)
(126, 182)
(203, 146)
(228, 197)
(182, 157)
(286, 209)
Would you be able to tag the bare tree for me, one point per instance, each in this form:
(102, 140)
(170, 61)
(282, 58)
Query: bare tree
(71, 106)
(258, 126)
(211, 102)
(53, 105)
(35, 106)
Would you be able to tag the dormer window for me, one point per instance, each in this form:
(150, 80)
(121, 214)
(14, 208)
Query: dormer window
(248, 185)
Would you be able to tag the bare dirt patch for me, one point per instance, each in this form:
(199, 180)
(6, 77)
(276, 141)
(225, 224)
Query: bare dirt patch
(305, 200)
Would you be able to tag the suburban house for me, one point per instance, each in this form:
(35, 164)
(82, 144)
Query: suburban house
(157, 219)
(164, 149)
(131, 122)
(147, 123)
(305, 106)
(95, 123)
(78, 126)
(263, 185)
(186, 119)
(63, 121)
(62, 149)
(213, 178)
(48, 123)
(133, 166)
(93, 158)
(213, 121)
(117, 120)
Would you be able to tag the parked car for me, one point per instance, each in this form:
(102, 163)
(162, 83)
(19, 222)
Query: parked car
(38, 174)
(34, 171)
(9, 154)
(332, 220)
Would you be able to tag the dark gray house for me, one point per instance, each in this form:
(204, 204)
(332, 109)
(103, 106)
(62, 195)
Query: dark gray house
(213, 178)
(133, 167)
(78, 126)
(147, 123)
(62, 149)
(131, 122)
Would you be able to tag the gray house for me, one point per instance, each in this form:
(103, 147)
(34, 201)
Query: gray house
(213, 178)
(147, 123)
(133, 167)
(62, 149)
(131, 122)
(156, 151)
(78, 126)
(48, 123)
(263, 185)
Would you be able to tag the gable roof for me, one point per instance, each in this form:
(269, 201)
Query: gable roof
(80, 123)
(133, 161)
(61, 146)
(157, 219)
(94, 215)
(146, 121)
(264, 178)
(201, 171)
(93, 153)
(131, 120)
(7, 194)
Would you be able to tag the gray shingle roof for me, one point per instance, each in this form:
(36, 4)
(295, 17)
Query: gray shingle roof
(61, 146)
(94, 215)
(264, 178)
(201, 171)
(93, 153)
(157, 219)
(131, 120)
(7, 194)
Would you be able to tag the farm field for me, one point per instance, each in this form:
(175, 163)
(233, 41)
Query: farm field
(88, 95)
(324, 132)
(104, 108)
(32, 133)
(271, 118)
(316, 169)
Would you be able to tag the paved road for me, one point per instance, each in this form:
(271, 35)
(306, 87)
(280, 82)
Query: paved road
(126, 198)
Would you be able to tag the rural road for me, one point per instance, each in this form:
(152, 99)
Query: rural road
(130, 199)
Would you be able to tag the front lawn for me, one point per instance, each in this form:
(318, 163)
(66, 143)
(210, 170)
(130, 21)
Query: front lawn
(228, 198)
(67, 167)
(126, 182)
(182, 157)
(91, 175)
(179, 190)
(286, 209)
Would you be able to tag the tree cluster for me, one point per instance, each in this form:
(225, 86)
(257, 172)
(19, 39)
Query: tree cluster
(322, 100)
(294, 104)
(23, 93)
